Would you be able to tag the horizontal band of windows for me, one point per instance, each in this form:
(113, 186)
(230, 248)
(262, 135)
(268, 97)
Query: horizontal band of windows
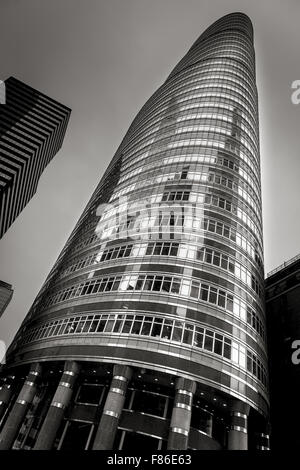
(225, 38)
(156, 201)
(157, 327)
(184, 251)
(124, 248)
(214, 64)
(217, 64)
(200, 121)
(162, 284)
(217, 231)
(207, 64)
(218, 52)
(147, 150)
(210, 158)
(200, 274)
(213, 82)
(210, 225)
(168, 138)
(174, 101)
(218, 83)
(166, 116)
(169, 86)
(208, 180)
(207, 315)
(177, 208)
(183, 175)
(184, 219)
(213, 142)
(169, 111)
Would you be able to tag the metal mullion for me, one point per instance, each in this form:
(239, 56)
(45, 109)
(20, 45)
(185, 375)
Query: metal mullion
(102, 395)
(131, 399)
(96, 322)
(142, 324)
(115, 320)
(122, 440)
(151, 328)
(63, 435)
(166, 407)
(63, 327)
(213, 342)
(132, 323)
(89, 437)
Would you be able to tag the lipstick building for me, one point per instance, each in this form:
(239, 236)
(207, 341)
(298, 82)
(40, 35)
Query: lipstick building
(149, 331)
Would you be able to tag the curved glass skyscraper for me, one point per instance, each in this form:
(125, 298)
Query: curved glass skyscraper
(150, 328)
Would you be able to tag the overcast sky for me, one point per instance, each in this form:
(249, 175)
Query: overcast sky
(104, 59)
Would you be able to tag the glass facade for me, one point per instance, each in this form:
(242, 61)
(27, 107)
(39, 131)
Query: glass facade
(6, 293)
(164, 270)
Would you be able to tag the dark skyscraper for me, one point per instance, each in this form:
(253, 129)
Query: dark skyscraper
(32, 129)
(283, 319)
(149, 331)
(6, 293)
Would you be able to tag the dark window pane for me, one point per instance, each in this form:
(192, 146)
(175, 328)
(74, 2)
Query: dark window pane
(149, 403)
(89, 394)
(213, 295)
(208, 343)
(227, 350)
(146, 328)
(134, 441)
(127, 326)
(76, 436)
(177, 334)
(136, 327)
(188, 335)
(156, 329)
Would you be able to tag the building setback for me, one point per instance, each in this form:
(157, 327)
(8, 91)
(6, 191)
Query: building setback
(32, 129)
(283, 320)
(149, 332)
(6, 293)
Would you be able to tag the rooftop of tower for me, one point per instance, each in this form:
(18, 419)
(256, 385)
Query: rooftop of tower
(236, 20)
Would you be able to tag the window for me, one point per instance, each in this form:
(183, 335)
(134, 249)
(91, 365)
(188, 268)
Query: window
(208, 343)
(89, 393)
(188, 334)
(77, 436)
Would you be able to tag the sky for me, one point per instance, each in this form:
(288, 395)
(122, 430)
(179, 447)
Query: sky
(104, 59)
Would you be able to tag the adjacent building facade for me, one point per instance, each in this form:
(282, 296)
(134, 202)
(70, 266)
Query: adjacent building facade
(283, 320)
(32, 129)
(6, 293)
(149, 331)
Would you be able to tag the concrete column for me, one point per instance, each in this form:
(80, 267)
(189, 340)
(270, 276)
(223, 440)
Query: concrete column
(113, 407)
(18, 412)
(6, 391)
(55, 414)
(238, 433)
(181, 415)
